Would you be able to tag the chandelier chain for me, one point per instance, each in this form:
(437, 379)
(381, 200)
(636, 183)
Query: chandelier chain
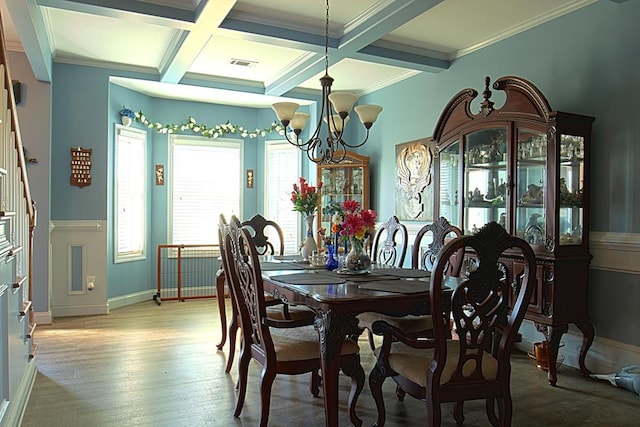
(326, 40)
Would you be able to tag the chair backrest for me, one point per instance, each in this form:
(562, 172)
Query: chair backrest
(260, 228)
(486, 314)
(440, 230)
(390, 243)
(245, 277)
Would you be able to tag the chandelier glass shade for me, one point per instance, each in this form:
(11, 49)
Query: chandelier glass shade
(334, 114)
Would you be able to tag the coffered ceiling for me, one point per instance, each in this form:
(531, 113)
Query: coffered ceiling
(249, 51)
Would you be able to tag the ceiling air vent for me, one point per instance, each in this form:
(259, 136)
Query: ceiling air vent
(243, 62)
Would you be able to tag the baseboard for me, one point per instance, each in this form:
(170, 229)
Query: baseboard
(17, 405)
(129, 299)
(80, 310)
(43, 317)
(604, 357)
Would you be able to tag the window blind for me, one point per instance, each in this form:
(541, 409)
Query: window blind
(205, 182)
(282, 171)
(130, 167)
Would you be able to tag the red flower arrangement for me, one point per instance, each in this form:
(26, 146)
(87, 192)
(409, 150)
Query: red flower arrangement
(356, 222)
(305, 197)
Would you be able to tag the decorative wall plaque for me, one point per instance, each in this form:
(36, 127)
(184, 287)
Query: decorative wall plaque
(81, 167)
(414, 189)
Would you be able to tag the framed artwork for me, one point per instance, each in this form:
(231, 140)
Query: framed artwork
(80, 167)
(159, 174)
(414, 175)
(250, 178)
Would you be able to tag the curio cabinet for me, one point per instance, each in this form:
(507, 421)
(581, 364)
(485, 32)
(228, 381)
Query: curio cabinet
(525, 167)
(347, 180)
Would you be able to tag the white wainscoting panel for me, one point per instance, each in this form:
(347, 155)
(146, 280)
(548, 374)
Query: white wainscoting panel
(92, 237)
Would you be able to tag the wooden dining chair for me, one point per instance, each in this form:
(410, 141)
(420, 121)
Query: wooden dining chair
(486, 312)
(423, 258)
(389, 248)
(390, 243)
(440, 230)
(273, 309)
(261, 229)
(281, 346)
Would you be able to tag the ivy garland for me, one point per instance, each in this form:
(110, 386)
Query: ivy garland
(204, 130)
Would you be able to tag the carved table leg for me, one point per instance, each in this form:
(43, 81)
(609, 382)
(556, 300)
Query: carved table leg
(587, 339)
(220, 279)
(332, 329)
(555, 334)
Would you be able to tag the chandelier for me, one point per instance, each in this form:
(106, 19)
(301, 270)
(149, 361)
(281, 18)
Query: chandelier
(333, 148)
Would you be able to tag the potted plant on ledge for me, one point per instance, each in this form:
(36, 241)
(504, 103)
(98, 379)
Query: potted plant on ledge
(127, 116)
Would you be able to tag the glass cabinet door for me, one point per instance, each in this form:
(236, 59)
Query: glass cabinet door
(449, 183)
(340, 184)
(531, 170)
(485, 179)
(571, 189)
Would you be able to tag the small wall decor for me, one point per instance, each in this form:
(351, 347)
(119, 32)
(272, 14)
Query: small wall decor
(81, 167)
(414, 189)
(159, 174)
(250, 178)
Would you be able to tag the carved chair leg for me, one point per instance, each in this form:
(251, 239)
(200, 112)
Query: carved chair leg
(491, 411)
(266, 383)
(458, 412)
(400, 393)
(376, 379)
(233, 336)
(221, 308)
(434, 412)
(243, 371)
(505, 409)
(314, 384)
(351, 367)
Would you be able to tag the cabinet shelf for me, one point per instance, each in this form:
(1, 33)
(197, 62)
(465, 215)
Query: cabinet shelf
(486, 205)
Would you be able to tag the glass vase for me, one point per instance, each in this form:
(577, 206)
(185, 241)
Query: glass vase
(309, 243)
(332, 261)
(357, 260)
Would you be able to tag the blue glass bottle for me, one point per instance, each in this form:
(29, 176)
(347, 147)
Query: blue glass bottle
(332, 262)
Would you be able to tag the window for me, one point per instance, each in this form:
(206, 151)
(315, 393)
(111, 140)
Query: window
(205, 182)
(130, 194)
(282, 171)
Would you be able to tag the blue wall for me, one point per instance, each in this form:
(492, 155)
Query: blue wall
(585, 62)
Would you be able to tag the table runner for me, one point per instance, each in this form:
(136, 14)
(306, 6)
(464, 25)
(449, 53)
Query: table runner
(397, 286)
(274, 266)
(308, 279)
(373, 276)
(405, 272)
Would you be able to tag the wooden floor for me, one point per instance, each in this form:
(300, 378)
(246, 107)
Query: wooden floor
(149, 365)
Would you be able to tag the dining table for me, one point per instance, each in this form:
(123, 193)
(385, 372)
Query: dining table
(337, 297)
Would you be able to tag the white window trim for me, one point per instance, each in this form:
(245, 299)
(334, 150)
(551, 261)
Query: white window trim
(138, 255)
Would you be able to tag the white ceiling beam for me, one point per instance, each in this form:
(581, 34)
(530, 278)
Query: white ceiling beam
(358, 35)
(30, 25)
(177, 62)
(131, 10)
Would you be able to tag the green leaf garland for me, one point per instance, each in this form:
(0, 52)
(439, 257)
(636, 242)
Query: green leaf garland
(216, 131)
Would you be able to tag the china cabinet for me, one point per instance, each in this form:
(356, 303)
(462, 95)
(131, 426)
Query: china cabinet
(342, 181)
(527, 168)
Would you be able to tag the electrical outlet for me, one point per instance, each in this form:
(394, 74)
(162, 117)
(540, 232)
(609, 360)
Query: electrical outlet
(91, 282)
